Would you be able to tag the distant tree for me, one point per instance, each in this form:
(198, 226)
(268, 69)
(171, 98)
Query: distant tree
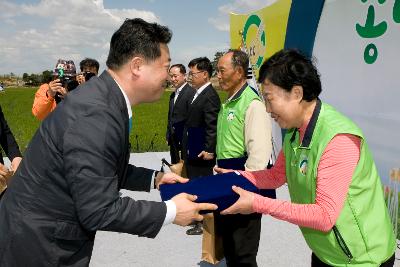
(214, 63)
(34, 79)
(47, 76)
(25, 77)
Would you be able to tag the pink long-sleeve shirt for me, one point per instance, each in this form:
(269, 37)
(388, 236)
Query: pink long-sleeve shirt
(334, 174)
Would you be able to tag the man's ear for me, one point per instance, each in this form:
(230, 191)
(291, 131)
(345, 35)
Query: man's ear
(240, 71)
(297, 92)
(136, 65)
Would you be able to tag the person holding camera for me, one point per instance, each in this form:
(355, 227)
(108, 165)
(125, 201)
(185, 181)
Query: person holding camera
(89, 68)
(65, 79)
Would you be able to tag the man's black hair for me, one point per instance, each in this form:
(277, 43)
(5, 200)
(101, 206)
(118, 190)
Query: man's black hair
(89, 63)
(136, 37)
(202, 64)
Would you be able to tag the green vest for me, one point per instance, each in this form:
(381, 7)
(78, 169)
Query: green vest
(230, 127)
(362, 234)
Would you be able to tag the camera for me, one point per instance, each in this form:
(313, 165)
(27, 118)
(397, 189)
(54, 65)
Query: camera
(88, 75)
(69, 83)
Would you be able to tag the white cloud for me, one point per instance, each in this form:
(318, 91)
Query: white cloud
(10, 8)
(70, 29)
(203, 50)
(239, 7)
(221, 23)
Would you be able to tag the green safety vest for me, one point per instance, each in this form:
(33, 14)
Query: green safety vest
(230, 127)
(363, 234)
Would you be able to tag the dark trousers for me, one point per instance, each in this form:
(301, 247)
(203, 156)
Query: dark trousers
(199, 168)
(240, 238)
(174, 152)
(315, 262)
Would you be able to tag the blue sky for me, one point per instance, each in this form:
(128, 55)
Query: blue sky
(35, 33)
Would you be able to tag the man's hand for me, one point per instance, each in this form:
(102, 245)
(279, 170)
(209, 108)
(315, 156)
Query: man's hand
(205, 155)
(80, 78)
(3, 185)
(54, 87)
(168, 178)
(244, 205)
(5, 174)
(187, 210)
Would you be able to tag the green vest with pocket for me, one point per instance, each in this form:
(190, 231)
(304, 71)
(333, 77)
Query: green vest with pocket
(230, 127)
(363, 234)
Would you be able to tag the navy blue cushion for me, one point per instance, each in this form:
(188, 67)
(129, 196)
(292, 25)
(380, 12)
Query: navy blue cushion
(216, 189)
(195, 142)
(238, 164)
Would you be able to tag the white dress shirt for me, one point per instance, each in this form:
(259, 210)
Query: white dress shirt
(178, 91)
(257, 135)
(201, 89)
(171, 207)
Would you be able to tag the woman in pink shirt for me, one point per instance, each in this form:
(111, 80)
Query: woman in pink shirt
(328, 168)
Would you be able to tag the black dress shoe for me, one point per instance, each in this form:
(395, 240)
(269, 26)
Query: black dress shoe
(196, 230)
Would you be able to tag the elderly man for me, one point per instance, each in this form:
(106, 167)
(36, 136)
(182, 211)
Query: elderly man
(67, 186)
(243, 143)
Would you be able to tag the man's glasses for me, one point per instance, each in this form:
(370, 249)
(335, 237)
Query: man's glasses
(191, 74)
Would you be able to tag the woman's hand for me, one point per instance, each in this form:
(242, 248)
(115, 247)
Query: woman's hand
(244, 205)
(221, 170)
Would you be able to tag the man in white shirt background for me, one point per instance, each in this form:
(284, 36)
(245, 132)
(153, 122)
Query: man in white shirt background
(179, 103)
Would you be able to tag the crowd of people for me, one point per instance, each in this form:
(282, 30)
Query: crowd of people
(67, 185)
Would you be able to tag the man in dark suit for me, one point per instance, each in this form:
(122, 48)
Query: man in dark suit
(10, 147)
(67, 186)
(179, 103)
(200, 131)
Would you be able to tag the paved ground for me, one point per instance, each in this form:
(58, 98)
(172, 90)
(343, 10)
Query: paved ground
(281, 243)
(173, 248)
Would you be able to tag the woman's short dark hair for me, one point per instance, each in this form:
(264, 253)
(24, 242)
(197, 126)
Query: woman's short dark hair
(136, 37)
(288, 68)
(203, 64)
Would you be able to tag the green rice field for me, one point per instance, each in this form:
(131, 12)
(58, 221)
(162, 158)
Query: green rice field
(149, 120)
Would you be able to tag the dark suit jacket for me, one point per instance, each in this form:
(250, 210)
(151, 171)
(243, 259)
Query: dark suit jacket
(202, 116)
(67, 186)
(177, 114)
(7, 140)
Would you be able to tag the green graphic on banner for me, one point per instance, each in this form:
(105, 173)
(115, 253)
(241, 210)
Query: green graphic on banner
(371, 29)
(257, 44)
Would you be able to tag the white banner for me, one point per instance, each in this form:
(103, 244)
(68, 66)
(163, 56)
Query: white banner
(357, 50)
